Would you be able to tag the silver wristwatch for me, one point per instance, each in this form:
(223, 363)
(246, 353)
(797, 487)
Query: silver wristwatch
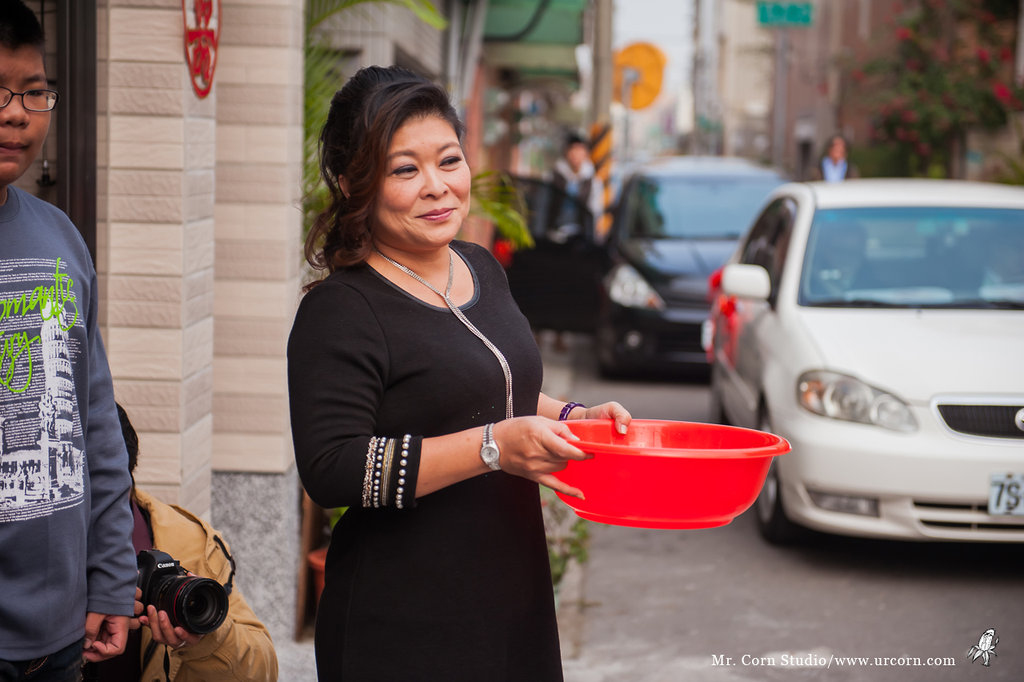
(489, 450)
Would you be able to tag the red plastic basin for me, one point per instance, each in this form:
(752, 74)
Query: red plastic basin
(668, 474)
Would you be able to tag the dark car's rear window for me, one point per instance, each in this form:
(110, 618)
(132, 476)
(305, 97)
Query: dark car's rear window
(695, 207)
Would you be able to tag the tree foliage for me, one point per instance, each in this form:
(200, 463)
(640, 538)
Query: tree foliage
(951, 71)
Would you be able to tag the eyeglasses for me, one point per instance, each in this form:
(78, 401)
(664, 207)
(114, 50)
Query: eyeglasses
(32, 100)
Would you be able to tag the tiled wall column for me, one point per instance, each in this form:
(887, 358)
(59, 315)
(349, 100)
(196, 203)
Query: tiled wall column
(258, 238)
(156, 196)
(258, 233)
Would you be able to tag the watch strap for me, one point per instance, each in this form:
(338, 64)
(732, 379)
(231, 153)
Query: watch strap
(489, 452)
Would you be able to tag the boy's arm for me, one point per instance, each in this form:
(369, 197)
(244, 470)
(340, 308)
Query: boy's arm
(110, 563)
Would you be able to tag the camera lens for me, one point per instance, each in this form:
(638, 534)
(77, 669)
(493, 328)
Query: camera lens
(197, 604)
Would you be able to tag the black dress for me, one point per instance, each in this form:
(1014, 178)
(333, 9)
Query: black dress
(455, 585)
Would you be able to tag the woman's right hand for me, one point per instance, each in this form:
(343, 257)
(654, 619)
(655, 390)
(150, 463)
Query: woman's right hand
(535, 448)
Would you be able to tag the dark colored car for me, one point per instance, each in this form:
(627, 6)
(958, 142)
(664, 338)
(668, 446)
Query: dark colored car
(677, 220)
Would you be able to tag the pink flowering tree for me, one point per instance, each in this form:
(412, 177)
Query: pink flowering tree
(951, 71)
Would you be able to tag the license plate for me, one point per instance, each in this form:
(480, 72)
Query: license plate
(1006, 495)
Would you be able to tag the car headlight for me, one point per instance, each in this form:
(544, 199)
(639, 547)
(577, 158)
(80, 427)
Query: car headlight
(844, 397)
(627, 288)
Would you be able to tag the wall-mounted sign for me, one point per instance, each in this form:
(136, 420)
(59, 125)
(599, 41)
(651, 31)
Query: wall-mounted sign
(778, 14)
(202, 32)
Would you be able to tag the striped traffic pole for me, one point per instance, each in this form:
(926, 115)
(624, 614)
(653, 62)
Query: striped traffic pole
(601, 157)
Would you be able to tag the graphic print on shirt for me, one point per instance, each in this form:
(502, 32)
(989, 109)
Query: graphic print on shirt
(42, 458)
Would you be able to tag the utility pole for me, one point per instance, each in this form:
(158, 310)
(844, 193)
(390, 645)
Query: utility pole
(1018, 71)
(779, 111)
(695, 79)
(601, 129)
(602, 95)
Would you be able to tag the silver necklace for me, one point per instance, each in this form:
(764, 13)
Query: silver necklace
(463, 319)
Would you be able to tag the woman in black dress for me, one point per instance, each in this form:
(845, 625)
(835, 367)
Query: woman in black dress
(414, 387)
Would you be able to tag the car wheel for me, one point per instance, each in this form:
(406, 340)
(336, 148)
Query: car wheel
(772, 522)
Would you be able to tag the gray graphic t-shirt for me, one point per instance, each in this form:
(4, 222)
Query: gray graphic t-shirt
(65, 523)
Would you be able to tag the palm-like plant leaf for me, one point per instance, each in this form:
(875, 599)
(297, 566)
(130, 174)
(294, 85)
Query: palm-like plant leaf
(321, 79)
(318, 11)
(495, 199)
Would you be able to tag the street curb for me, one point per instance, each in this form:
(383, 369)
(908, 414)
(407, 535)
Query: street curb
(570, 610)
(558, 384)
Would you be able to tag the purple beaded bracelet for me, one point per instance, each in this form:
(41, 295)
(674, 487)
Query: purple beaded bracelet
(569, 407)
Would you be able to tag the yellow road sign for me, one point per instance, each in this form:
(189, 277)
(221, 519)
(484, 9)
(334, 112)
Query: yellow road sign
(638, 70)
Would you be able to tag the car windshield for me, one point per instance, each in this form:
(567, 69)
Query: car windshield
(713, 207)
(941, 257)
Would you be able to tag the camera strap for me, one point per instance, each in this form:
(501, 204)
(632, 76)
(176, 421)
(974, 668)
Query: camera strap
(231, 578)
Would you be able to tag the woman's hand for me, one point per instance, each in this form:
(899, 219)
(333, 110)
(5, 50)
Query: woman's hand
(535, 447)
(610, 410)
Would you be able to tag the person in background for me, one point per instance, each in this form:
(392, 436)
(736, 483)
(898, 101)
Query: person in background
(580, 189)
(239, 649)
(414, 388)
(574, 174)
(67, 569)
(835, 166)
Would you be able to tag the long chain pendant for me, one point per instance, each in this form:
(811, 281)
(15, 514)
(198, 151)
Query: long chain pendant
(464, 320)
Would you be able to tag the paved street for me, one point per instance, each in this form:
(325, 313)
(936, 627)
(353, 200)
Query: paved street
(720, 604)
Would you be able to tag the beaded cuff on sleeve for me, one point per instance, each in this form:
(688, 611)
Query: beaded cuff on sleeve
(391, 468)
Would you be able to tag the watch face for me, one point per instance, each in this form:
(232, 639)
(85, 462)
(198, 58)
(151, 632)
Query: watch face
(489, 449)
(489, 454)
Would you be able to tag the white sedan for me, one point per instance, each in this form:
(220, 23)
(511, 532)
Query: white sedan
(878, 325)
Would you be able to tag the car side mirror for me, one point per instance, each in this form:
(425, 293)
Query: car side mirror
(746, 281)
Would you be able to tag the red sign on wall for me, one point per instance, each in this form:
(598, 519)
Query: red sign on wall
(202, 32)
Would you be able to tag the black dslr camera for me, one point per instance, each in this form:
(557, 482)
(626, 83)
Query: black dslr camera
(199, 605)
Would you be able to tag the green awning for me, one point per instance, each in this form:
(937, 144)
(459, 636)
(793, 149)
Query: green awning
(534, 37)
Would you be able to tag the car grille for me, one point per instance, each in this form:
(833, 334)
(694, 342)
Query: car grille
(966, 518)
(995, 421)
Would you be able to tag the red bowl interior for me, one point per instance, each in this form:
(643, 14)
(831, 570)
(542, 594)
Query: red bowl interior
(668, 474)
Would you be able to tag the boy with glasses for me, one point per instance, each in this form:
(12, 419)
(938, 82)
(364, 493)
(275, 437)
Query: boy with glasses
(67, 567)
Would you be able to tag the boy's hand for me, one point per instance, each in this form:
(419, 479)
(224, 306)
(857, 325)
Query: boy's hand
(105, 636)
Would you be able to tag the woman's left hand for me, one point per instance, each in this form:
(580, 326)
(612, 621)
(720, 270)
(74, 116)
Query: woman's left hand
(610, 410)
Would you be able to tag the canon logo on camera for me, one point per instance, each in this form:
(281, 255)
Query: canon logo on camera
(170, 564)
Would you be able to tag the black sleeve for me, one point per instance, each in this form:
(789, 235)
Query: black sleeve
(337, 361)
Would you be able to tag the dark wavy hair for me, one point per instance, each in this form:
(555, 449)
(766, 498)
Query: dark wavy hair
(19, 26)
(354, 142)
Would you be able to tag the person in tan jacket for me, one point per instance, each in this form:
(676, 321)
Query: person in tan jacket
(239, 649)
